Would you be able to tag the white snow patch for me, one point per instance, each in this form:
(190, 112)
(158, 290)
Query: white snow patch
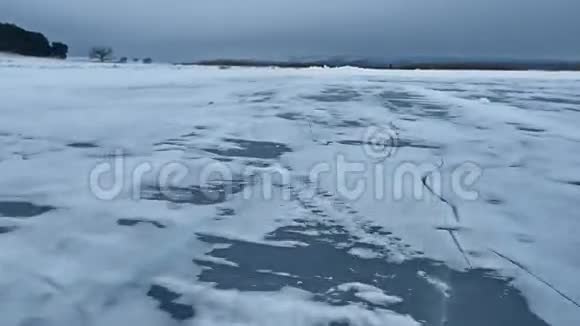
(369, 293)
(437, 283)
(364, 253)
(289, 307)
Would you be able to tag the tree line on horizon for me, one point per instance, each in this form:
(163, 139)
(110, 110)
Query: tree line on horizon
(106, 54)
(17, 40)
(14, 39)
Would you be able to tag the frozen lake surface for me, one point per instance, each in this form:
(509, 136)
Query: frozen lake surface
(167, 195)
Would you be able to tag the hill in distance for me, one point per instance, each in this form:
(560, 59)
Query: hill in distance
(14, 39)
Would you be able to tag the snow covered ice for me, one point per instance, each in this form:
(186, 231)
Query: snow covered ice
(86, 245)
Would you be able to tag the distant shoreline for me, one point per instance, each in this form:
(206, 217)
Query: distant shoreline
(546, 65)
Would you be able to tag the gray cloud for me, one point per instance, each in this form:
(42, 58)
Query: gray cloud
(188, 29)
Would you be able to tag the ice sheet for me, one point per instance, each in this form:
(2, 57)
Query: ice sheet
(70, 255)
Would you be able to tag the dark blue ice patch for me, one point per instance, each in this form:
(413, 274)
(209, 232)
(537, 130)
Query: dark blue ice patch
(7, 229)
(526, 128)
(556, 100)
(22, 209)
(573, 182)
(166, 298)
(449, 89)
(170, 142)
(260, 97)
(476, 297)
(82, 145)
(411, 104)
(352, 124)
(397, 143)
(211, 194)
(192, 134)
(252, 149)
(258, 164)
(290, 116)
(134, 222)
(226, 212)
(495, 201)
(531, 129)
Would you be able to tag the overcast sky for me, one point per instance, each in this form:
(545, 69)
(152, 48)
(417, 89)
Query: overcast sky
(194, 29)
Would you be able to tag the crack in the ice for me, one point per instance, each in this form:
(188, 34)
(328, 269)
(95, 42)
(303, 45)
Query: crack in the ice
(455, 211)
(453, 207)
(460, 248)
(536, 276)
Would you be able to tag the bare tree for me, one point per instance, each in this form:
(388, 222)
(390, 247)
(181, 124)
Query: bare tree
(102, 53)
